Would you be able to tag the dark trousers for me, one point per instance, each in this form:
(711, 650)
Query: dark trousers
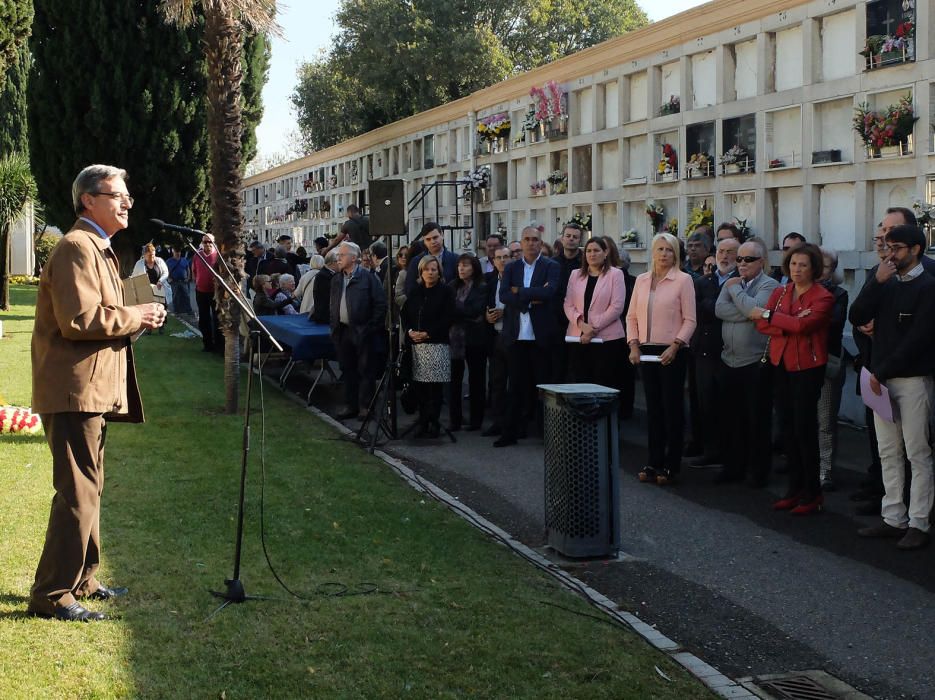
(356, 358)
(665, 411)
(208, 320)
(798, 394)
(749, 450)
(627, 386)
(694, 408)
(710, 391)
(528, 364)
(562, 360)
(476, 360)
(71, 555)
(499, 368)
(181, 303)
(596, 363)
(430, 402)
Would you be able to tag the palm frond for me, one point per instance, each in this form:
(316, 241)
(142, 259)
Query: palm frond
(258, 16)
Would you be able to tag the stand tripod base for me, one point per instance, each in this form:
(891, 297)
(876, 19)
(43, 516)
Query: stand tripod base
(234, 594)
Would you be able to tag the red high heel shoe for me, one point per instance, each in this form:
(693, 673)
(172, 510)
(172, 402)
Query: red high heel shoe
(810, 507)
(788, 503)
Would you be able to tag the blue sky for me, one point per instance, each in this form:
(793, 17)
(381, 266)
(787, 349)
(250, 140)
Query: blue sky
(308, 28)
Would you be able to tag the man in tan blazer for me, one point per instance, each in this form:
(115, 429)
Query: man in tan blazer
(83, 377)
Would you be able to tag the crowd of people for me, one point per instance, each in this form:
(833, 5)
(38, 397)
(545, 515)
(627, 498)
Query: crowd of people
(709, 318)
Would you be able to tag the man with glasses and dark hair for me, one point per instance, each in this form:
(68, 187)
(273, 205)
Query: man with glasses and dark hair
(82, 378)
(743, 372)
(900, 301)
(790, 241)
(569, 260)
(211, 340)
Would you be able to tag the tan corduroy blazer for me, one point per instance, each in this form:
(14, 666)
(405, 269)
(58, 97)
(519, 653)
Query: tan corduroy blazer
(82, 360)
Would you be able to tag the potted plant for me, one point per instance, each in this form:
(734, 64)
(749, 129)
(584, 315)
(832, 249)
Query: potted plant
(478, 180)
(531, 125)
(583, 221)
(673, 106)
(886, 132)
(872, 47)
(699, 165)
(630, 238)
(538, 188)
(551, 107)
(672, 226)
(735, 160)
(559, 181)
(656, 213)
(668, 168)
(777, 163)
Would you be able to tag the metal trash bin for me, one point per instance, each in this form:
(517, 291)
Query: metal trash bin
(582, 461)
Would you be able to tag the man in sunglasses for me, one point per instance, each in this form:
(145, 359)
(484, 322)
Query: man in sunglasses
(83, 378)
(740, 304)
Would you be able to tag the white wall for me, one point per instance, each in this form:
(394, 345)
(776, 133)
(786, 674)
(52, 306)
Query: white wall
(611, 104)
(833, 127)
(838, 45)
(637, 147)
(704, 80)
(23, 251)
(742, 205)
(892, 193)
(610, 224)
(745, 69)
(671, 78)
(789, 211)
(586, 111)
(786, 134)
(639, 84)
(609, 154)
(836, 217)
(789, 50)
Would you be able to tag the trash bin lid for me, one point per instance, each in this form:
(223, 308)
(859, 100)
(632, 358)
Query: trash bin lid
(578, 389)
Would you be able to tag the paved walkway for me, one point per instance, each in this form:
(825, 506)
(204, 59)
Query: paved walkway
(750, 591)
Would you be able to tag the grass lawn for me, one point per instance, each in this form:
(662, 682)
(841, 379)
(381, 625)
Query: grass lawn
(456, 614)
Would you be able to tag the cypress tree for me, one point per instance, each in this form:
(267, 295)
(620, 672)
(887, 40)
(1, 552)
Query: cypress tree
(15, 19)
(127, 90)
(13, 105)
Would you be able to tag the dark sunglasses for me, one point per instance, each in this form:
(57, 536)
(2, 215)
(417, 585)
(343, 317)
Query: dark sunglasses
(747, 259)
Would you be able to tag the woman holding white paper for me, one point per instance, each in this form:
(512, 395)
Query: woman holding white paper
(593, 303)
(660, 322)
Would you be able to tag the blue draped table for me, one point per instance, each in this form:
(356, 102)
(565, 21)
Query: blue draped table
(310, 342)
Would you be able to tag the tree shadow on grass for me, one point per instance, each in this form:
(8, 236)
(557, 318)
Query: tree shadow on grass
(11, 317)
(20, 439)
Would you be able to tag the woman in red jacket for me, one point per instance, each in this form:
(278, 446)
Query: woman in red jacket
(796, 319)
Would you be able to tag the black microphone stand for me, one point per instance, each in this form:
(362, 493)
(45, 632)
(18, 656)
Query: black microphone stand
(235, 592)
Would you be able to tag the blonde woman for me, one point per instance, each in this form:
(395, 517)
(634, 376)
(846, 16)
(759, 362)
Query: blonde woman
(660, 323)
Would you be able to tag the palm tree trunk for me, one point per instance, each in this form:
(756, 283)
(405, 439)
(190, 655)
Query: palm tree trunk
(223, 42)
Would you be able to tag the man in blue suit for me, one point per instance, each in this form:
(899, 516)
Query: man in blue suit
(431, 236)
(528, 291)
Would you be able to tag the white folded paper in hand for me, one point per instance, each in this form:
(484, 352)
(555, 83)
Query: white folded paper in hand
(650, 358)
(577, 339)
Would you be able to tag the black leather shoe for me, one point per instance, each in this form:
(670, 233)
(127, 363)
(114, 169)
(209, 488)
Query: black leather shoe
(72, 613)
(105, 593)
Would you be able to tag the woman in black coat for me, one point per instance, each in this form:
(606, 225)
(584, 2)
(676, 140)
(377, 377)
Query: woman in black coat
(469, 333)
(427, 316)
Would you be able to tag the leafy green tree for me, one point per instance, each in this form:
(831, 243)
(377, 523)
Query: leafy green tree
(15, 21)
(392, 59)
(13, 128)
(17, 189)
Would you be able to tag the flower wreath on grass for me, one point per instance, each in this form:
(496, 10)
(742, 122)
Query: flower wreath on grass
(18, 421)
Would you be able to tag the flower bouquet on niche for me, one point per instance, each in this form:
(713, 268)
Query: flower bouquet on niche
(559, 181)
(668, 167)
(735, 159)
(673, 106)
(582, 221)
(699, 165)
(699, 216)
(630, 238)
(887, 131)
(477, 179)
(656, 213)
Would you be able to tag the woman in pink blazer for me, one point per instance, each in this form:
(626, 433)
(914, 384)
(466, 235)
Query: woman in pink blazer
(593, 303)
(660, 322)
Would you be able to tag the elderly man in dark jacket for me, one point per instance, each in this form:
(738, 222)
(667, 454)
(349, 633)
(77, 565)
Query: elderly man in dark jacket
(358, 312)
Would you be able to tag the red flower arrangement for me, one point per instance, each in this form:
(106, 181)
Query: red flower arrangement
(905, 30)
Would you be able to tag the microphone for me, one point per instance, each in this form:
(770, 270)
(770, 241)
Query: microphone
(175, 227)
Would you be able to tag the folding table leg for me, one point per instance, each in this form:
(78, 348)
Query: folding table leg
(286, 371)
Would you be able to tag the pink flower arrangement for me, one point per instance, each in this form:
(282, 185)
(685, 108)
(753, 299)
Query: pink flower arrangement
(547, 101)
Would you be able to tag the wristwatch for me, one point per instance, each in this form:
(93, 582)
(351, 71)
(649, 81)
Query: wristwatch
(766, 314)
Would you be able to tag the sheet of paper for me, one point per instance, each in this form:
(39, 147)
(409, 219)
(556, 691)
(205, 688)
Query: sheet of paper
(650, 358)
(881, 404)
